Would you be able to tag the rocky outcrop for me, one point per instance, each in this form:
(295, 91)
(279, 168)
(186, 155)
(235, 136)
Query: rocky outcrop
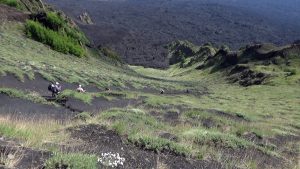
(85, 18)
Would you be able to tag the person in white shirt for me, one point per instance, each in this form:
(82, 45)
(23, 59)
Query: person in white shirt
(80, 89)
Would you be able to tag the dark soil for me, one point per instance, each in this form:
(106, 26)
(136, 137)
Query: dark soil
(208, 123)
(172, 117)
(19, 108)
(246, 77)
(27, 158)
(168, 136)
(11, 14)
(284, 139)
(227, 115)
(262, 159)
(98, 139)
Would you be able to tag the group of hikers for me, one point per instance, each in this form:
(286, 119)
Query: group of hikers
(56, 88)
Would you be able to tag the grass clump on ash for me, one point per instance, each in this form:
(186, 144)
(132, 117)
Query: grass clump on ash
(72, 160)
(85, 97)
(202, 137)
(58, 42)
(159, 145)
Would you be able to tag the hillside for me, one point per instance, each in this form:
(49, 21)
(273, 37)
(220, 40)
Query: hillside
(139, 29)
(220, 107)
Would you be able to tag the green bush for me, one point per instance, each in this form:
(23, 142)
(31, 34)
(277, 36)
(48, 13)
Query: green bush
(54, 21)
(58, 42)
(12, 3)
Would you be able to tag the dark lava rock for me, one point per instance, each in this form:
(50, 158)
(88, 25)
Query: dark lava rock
(246, 77)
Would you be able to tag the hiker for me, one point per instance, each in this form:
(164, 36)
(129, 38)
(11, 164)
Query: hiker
(54, 88)
(58, 87)
(80, 89)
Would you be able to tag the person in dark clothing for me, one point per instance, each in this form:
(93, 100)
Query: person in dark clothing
(55, 89)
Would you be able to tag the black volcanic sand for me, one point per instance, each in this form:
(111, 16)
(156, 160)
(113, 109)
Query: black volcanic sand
(27, 158)
(11, 14)
(19, 108)
(97, 139)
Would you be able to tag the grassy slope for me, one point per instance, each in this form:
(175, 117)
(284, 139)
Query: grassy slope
(271, 109)
(23, 56)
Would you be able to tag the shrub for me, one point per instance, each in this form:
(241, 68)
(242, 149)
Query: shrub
(12, 3)
(54, 21)
(58, 42)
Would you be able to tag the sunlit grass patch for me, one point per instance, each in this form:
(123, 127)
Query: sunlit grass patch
(31, 132)
(85, 97)
(72, 160)
(202, 137)
(159, 144)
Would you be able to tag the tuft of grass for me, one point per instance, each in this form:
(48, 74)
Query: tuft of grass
(72, 160)
(202, 137)
(85, 97)
(83, 116)
(159, 145)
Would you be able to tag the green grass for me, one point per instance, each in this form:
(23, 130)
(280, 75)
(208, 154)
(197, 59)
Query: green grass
(32, 96)
(204, 137)
(72, 160)
(32, 132)
(84, 97)
(159, 145)
(58, 42)
(23, 56)
(12, 3)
